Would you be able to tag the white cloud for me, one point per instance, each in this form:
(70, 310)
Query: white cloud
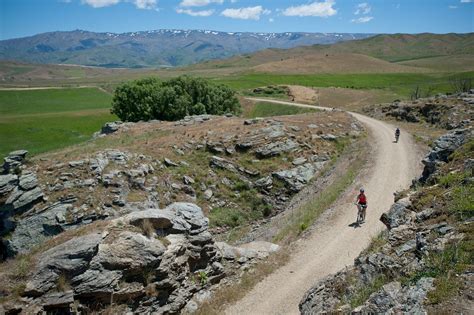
(271, 20)
(199, 3)
(250, 13)
(363, 19)
(195, 13)
(140, 4)
(453, 6)
(145, 4)
(467, 1)
(321, 9)
(363, 8)
(100, 3)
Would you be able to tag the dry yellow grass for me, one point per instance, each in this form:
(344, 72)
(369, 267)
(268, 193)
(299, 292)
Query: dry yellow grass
(334, 63)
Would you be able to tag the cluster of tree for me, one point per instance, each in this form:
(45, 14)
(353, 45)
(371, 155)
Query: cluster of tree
(174, 99)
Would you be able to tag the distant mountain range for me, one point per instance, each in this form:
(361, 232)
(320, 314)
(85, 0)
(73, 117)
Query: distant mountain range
(159, 48)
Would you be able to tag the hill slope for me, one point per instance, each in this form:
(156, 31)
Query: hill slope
(457, 49)
(399, 47)
(333, 63)
(152, 48)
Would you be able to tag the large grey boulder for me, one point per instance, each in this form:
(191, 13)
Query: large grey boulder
(34, 230)
(68, 259)
(298, 177)
(7, 183)
(398, 214)
(14, 160)
(276, 148)
(443, 147)
(24, 199)
(130, 252)
(28, 181)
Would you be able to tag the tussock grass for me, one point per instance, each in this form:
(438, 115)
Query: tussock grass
(305, 216)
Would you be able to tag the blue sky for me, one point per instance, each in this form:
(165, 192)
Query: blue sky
(19, 18)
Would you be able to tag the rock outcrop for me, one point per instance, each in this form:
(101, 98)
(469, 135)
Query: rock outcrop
(398, 271)
(443, 111)
(442, 149)
(151, 261)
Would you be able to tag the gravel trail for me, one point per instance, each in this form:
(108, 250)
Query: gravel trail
(334, 246)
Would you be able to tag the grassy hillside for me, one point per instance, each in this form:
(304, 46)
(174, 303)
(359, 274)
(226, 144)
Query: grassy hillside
(334, 63)
(443, 63)
(391, 48)
(43, 120)
(399, 47)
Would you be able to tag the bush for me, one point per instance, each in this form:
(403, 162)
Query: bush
(174, 99)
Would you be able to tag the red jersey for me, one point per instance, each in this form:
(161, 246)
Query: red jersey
(362, 199)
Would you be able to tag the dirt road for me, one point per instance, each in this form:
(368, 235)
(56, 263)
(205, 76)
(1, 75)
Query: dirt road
(335, 245)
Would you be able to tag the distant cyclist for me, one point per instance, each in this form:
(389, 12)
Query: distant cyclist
(397, 134)
(361, 203)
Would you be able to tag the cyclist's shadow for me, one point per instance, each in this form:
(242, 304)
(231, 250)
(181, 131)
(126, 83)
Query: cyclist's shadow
(355, 225)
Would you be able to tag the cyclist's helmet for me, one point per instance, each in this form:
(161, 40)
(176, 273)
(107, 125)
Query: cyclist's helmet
(361, 190)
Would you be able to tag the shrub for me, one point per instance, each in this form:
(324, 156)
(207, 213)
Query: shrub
(170, 100)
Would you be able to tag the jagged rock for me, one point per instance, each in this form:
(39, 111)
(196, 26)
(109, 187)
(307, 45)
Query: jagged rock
(222, 164)
(298, 177)
(252, 121)
(176, 218)
(110, 127)
(191, 120)
(70, 259)
(216, 148)
(117, 157)
(392, 298)
(264, 182)
(58, 300)
(398, 214)
(129, 252)
(208, 194)
(35, 229)
(170, 163)
(28, 181)
(97, 283)
(188, 190)
(188, 180)
(329, 137)
(406, 247)
(13, 160)
(20, 199)
(276, 148)
(77, 163)
(443, 147)
(299, 161)
(98, 164)
(425, 214)
(7, 183)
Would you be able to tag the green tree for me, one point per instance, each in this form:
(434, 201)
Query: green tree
(150, 98)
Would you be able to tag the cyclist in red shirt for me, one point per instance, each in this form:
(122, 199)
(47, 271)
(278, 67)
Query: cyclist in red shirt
(361, 203)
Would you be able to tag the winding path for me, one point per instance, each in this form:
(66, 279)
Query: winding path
(336, 244)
